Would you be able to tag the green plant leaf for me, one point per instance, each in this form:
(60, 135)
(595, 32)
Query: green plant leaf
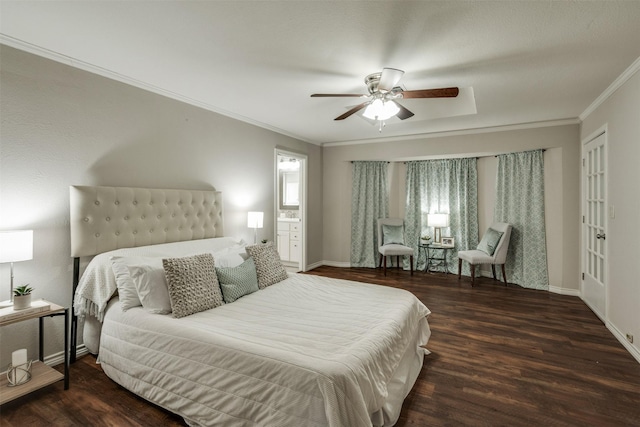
(22, 290)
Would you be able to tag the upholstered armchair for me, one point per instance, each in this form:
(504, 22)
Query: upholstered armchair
(492, 249)
(392, 243)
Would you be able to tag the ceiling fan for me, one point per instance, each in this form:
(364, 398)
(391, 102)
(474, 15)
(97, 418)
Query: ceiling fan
(383, 95)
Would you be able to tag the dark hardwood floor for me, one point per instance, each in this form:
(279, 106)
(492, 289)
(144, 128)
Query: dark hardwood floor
(500, 356)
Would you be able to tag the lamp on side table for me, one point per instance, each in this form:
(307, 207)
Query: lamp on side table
(15, 246)
(438, 222)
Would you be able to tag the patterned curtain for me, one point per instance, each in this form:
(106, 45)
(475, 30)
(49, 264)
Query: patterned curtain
(369, 201)
(443, 186)
(520, 202)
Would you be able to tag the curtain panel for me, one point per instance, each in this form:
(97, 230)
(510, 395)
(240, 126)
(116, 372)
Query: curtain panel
(520, 202)
(369, 201)
(443, 186)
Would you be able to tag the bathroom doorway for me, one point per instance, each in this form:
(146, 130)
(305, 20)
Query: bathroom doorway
(290, 209)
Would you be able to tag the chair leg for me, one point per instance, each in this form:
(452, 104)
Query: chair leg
(411, 264)
(473, 275)
(459, 268)
(493, 270)
(504, 275)
(397, 261)
(385, 264)
(380, 262)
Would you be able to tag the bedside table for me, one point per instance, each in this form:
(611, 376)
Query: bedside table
(434, 259)
(41, 374)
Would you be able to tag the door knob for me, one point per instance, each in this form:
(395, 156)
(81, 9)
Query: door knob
(601, 236)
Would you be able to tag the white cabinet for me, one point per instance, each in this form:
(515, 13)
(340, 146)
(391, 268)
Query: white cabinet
(289, 241)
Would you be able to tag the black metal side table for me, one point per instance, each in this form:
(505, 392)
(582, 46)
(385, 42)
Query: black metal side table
(436, 257)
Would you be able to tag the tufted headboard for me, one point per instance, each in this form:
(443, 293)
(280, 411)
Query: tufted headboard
(108, 218)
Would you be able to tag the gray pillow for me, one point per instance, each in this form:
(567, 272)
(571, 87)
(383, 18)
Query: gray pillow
(268, 266)
(392, 234)
(490, 241)
(239, 281)
(193, 284)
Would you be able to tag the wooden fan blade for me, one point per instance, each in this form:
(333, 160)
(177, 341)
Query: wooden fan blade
(352, 111)
(447, 92)
(389, 78)
(403, 113)
(322, 95)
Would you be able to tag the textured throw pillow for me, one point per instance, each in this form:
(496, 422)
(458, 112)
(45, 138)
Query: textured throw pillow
(268, 266)
(392, 234)
(490, 241)
(239, 281)
(193, 284)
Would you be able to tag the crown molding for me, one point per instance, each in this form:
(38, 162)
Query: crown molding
(470, 131)
(95, 69)
(622, 79)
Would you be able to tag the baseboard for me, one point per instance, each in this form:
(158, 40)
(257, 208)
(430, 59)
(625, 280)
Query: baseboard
(564, 291)
(623, 340)
(335, 264)
(58, 358)
(553, 289)
(314, 265)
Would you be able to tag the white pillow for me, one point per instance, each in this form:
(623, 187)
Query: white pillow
(230, 257)
(127, 292)
(147, 277)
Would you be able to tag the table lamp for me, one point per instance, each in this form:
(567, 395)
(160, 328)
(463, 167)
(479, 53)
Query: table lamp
(438, 222)
(255, 221)
(15, 246)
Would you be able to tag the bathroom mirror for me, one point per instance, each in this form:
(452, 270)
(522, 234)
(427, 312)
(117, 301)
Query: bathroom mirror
(289, 189)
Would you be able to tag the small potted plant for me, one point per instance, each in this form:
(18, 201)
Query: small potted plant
(425, 240)
(22, 297)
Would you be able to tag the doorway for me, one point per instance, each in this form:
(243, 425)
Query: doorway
(594, 224)
(290, 209)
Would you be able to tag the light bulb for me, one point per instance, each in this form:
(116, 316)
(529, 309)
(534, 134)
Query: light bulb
(381, 110)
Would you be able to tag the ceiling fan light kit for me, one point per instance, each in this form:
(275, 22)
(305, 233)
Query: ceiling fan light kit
(381, 110)
(383, 96)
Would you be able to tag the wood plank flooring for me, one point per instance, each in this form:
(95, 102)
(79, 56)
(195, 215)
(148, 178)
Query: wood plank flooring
(501, 356)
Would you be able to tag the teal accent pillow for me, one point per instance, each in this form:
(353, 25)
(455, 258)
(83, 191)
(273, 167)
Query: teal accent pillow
(239, 281)
(392, 234)
(490, 241)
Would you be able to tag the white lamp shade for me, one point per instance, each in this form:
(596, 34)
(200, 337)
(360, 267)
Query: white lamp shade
(438, 220)
(255, 219)
(381, 110)
(16, 245)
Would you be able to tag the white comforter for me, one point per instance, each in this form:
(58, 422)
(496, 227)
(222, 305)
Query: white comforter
(308, 351)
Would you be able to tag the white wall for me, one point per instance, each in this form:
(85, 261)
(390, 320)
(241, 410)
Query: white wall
(620, 113)
(63, 126)
(562, 160)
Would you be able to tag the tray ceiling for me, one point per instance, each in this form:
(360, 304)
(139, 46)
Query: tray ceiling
(523, 62)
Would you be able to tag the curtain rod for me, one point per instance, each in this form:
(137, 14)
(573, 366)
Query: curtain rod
(527, 151)
(477, 157)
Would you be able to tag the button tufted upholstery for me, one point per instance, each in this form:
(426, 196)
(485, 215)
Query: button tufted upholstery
(476, 257)
(108, 218)
(391, 250)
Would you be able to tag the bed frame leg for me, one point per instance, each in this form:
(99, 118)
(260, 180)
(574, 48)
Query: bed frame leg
(74, 318)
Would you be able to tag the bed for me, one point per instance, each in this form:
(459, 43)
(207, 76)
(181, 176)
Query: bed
(303, 351)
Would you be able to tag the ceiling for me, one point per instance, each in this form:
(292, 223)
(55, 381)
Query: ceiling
(519, 62)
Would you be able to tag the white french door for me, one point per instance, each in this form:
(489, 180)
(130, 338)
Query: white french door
(594, 227)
